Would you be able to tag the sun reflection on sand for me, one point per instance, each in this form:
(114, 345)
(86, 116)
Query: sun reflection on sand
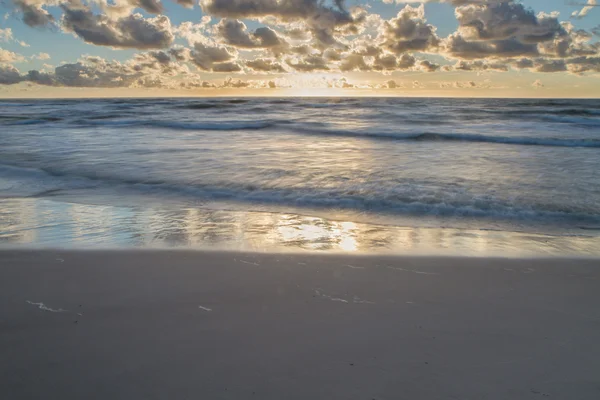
(60, 224)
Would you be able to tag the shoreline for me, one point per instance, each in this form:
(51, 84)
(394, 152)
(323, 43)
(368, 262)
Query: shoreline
(23, 249)
(44, 223)
(127, 324)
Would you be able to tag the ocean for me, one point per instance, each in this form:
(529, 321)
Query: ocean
(339, 174)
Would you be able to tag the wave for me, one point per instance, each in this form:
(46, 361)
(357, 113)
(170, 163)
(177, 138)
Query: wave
(201, 106)
(210, 126)
(23, 120)
(310, 198)
(178, 125)
(291, 126)
(458, 137)
(575, 112)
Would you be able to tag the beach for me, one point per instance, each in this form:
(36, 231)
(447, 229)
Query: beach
(299, 248)
(135, 324)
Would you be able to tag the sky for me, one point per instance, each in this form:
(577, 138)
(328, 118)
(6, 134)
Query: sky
(467, 48)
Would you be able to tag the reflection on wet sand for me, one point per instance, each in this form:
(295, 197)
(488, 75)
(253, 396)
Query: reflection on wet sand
(59, 224)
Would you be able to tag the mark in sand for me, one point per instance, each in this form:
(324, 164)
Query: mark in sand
(414, 271)
(42, 306)
(353, 267)
(355, 299)
(246, 262)
(358, 300)
(318, 292)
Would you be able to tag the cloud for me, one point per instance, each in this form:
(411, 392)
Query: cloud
(8, 57)
(354, 62)
(133, 31)
(226, 67)
(6, 35)
(522, 63)
(150, 6)
(9, 75)
(389, 62)
(537, 84)
(150, 69)
(543, 65)
(500, 29)
(465, 85)
(231, 83)
(321, 19)
(186, 3)
(591, 4)
(391, 84)
(573, 43)
(303, 36)
(41, 56)
(214, 58)
(309, 64)
(34, 13)
(428, 66)
(481, 65)
(265, 65)
(580, 65)
(409, 32)
(235, 33)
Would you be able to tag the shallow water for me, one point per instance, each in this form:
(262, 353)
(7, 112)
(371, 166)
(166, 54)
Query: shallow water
(47, 223)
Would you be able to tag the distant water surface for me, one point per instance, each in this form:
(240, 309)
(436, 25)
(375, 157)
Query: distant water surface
(479, 165)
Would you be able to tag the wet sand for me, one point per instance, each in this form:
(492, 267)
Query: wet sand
(217, 325)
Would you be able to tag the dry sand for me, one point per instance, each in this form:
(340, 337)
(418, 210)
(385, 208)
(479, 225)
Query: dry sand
(201, 325)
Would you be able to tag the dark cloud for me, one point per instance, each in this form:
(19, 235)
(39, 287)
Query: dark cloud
(265, 65)
(133, 31)
(226, 67)
(214, 58)
(574, 43)
(523, 63)
(389, 62)
(580, 65)
(428, 66)
(151, 6)
(180, 53)
(481, 65)
(310, 64)
(550, 66)
(506, 20)
(354, 62)
(33, 13)
(458, 47)
(9, 75)
(235, 33)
